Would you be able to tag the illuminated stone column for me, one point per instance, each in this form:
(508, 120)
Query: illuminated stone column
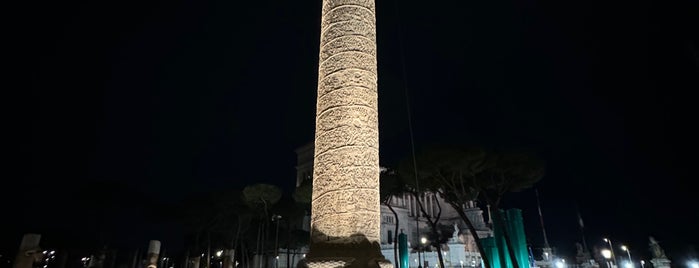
(345, 218)
(29, 251)
(153, 253)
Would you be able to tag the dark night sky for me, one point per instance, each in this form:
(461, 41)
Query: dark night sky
(153, 101)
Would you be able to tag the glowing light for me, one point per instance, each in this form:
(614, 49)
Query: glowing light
(218, 253)
(560, 264)
(345, 199)
(693, 264)
(628, 265)
(423, 240)
(607, 254)
(624, 248)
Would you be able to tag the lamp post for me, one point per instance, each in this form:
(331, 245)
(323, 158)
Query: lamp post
(625, 248)
(607, 254)
(423, 241)
(276, 218)
(611, 248)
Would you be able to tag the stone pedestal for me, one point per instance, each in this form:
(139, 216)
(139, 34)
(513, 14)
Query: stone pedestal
(660, 263)
(351, 254)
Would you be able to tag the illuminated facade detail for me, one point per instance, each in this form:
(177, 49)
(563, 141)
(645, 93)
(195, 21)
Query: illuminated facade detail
(345, 199)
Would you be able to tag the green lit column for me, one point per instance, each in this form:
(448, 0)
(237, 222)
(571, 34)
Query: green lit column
(491, 251)
(515, 228)
(403, 254)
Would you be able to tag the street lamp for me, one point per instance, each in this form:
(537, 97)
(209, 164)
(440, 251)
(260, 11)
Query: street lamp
(643, 263)
(611, 248)
(607, 254)
(276, 238)
(423, 241)
(624, 248)
(560, 264)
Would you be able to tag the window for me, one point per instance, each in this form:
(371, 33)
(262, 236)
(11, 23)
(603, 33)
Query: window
(388, 219)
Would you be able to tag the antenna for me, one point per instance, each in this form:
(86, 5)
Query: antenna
(541, 218)
(582, 228)
(410, 127)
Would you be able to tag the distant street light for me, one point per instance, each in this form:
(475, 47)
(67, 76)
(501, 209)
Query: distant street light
(624, 248)
(607, 254)
(421, 249)
(560, 264)
(643, 263)
(276, 238)
(609, 241)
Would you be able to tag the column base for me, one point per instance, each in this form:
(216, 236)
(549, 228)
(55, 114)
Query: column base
(362, 254)
(660, 263)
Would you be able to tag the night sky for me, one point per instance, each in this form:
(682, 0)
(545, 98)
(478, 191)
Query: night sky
(148, 102)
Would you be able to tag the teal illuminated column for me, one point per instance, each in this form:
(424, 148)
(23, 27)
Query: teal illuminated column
(515, 228)
(491, 251)
(500, 244)
(403, 254)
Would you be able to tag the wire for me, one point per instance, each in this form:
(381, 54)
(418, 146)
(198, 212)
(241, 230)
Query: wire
(410, 126)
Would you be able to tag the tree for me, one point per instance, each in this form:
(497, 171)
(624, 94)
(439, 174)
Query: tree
(390, 186)
(260, 197)
(291, 212)
(506, 172)
(451, 171)
(427, 187)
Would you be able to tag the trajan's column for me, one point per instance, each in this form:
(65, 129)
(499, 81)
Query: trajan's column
(345, 215)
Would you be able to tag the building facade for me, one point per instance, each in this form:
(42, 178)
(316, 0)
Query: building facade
(459, 252)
